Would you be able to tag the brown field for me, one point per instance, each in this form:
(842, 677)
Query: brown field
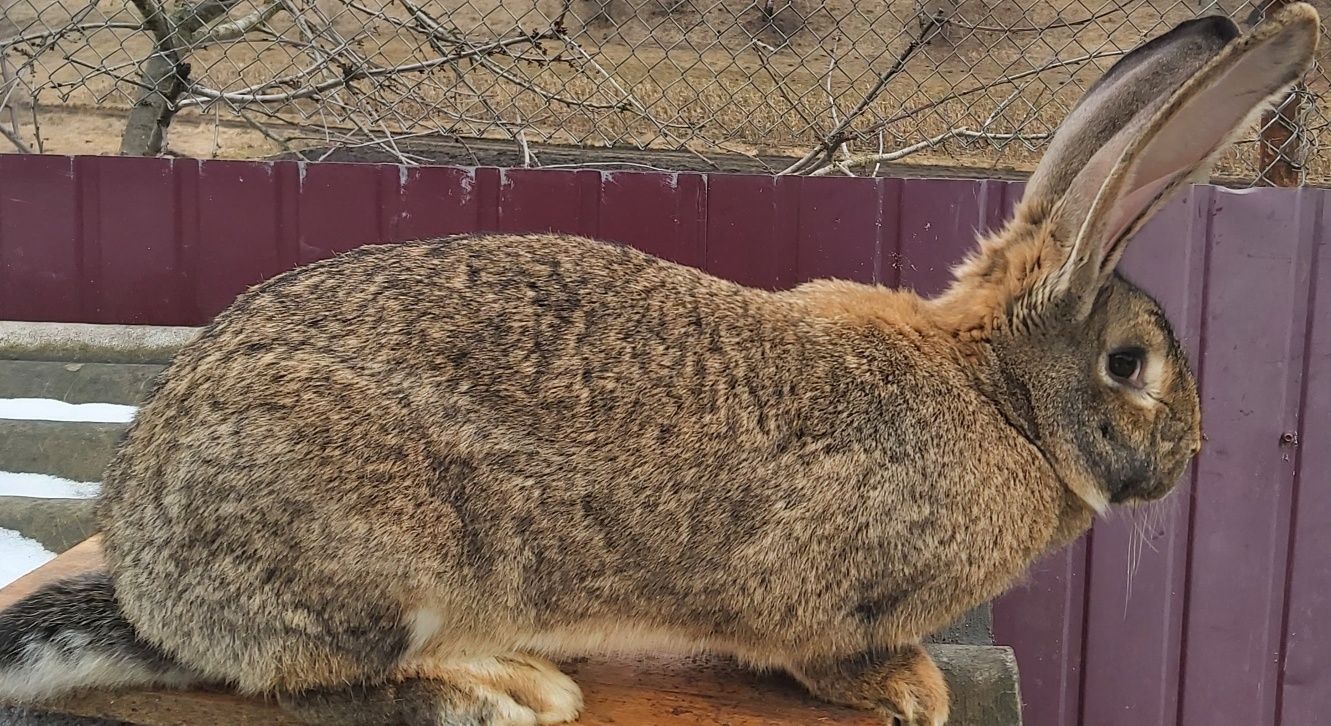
(719, 78)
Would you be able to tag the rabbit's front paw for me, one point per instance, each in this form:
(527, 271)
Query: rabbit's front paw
(539, 685)
(903, 684)
(508, 690)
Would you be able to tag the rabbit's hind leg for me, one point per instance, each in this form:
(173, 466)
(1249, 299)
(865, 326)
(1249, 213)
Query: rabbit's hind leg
(508, 690)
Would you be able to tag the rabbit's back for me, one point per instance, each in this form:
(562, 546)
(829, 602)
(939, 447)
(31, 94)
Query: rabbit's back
(523, 432)
(575, 348)
(559, 336)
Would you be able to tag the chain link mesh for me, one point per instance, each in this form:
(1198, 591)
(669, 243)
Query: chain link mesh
(951, 83)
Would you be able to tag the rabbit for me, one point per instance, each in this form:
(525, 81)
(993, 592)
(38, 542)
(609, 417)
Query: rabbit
(391, 486)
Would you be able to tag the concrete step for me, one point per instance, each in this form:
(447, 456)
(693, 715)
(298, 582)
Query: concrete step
(72, 382)
(67, 449)
(56, 524)
(84, 343)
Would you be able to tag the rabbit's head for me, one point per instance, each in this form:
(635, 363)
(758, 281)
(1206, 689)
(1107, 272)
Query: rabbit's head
(1087, 364)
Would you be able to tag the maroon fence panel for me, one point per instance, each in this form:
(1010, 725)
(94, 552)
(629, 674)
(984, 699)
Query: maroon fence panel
(1251, 366)
(747, 239)
(42, 277)
(937, 225)
(1207, 608)
(839, 231)
(435, 200)
(1043, 620)
(237, 230)
(1305, 692)
(534, 201)
(661, 214)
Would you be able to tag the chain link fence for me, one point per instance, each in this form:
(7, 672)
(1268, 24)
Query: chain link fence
(803, 86)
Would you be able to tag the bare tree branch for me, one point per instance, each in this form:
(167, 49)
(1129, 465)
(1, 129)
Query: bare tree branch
(437, 32)
(1005, 80)
(10, 83)
(252, 95)
(57, 34)
(153, 17)
(838, 136)
(13, 138)
(929, 143)
(37, 127)
(223, 32)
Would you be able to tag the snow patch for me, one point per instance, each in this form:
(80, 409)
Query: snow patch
(19, 556)
(45, 486)
(49, 409)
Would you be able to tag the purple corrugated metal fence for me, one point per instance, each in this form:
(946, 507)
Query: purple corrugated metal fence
(1210, 610)
(104, 239)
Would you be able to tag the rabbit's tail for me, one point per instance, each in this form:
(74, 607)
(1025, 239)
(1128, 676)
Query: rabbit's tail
(71, 635)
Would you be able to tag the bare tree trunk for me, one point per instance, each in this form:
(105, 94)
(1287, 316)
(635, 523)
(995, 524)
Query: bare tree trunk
(164, 80)
(165, 74)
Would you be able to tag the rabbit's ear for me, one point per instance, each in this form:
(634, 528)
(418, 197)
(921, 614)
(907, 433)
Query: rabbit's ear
(1153, 123)
(1138, 83)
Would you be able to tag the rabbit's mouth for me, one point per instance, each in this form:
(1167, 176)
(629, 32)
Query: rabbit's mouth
(1141, 493)
(1132, 492)
(1143, 487)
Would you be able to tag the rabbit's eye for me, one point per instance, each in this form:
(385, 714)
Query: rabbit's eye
(1126, 366)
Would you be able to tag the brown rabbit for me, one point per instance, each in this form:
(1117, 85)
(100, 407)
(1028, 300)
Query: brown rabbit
(384, 487)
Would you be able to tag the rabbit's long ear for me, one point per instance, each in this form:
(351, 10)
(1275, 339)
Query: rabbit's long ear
(1155, 121)
(1138, 83)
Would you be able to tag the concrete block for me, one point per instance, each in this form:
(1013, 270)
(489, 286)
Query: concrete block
(983, 683)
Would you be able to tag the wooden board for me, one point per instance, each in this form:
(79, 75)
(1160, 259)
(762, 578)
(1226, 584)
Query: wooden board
(652, 690)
